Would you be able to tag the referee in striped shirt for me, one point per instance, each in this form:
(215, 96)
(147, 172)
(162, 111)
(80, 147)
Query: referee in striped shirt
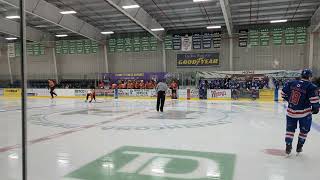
(161, 92)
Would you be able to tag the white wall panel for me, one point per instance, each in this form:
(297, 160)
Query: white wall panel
(4, 70)
(89, 65)
(79, 66)
(270, 57)
(148, 61)
(316, 57)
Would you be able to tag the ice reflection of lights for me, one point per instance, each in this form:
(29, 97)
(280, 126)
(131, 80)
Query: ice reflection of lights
(213, 172)
(276, 177)
(158, 171)
(107, 163)
(159, 164)
(63, 159)
(13, 156)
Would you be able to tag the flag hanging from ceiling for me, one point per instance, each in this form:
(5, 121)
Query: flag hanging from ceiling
(186, 43)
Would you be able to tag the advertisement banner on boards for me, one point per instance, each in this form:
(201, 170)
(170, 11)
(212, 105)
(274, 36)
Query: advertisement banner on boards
(81, 92)
(141, 93)
(245, 93)
(46, 92)
(99, 92)
(219, 93)
(198, 60)
(38, 92)
(266, 94)
(194, 93)
(138, 92)
(11, 92)
(123, 92)
(182, 93)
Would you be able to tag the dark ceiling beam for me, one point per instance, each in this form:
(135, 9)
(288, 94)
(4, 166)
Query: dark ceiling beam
(51, 13)
(226, 10)
(139, 16)
(12, 28)
(315, 21)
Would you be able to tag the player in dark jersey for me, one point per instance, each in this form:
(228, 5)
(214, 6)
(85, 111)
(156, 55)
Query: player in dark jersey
(254, 89)
(303, 101)
(52, 87)
(234, 89)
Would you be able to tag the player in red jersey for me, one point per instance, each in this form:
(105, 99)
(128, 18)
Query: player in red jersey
(174, 87)
(92, 94)
(52, 87)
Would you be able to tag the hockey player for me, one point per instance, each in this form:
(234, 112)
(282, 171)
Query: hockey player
(174, 88)
(234, 89)
(303, 101)
(92, 94)
(52, 87)
(254, 89)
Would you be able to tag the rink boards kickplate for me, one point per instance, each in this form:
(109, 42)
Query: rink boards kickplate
(137, 163)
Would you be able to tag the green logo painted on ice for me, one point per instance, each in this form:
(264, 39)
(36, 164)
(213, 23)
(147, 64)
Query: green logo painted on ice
(137, 163)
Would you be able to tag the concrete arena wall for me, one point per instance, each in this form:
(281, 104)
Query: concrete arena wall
(88, 66)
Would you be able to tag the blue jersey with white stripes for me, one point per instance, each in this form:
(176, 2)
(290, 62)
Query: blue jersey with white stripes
(302, 97)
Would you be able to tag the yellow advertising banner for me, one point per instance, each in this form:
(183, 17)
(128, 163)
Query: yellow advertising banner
(11, 92)
(266, 94)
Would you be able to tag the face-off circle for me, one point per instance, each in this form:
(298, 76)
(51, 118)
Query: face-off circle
(126, 119)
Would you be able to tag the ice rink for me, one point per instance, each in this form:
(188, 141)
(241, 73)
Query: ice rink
(124, 139)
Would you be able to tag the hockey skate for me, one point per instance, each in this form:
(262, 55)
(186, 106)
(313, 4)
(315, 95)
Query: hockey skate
(288, 149)
(299, 149)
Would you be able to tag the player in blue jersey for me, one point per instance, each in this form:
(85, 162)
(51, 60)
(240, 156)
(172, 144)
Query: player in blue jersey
(303, 101)
(254, 89)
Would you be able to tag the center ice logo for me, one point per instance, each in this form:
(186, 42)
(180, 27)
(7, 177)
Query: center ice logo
(154, 164)
(137, 163)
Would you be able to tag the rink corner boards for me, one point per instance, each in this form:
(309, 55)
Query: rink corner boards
(265, 95)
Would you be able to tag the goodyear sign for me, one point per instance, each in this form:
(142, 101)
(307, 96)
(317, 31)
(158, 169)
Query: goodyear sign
(198, 60)
(12, 92)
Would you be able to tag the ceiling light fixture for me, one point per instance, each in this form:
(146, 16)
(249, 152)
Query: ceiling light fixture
(41, 26)
(213, 27)
(107, 32)
(61, 35)
(11, 38)
(201, 0)
(131, 6)
(279, 21)
(158, 29)
(13, 17)
(68, 12)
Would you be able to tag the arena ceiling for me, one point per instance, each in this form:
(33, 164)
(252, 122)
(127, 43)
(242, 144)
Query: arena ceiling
(96, 16)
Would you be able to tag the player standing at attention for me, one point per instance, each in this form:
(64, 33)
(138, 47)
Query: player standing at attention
(303, 101)
(137, 85)
(142, 85)
(52, 87)
(174, 87)
(161, 90)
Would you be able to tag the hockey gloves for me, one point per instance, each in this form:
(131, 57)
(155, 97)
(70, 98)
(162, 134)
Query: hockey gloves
(315, 110)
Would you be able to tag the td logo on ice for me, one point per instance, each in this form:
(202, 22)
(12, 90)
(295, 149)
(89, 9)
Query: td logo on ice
(137, 163)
